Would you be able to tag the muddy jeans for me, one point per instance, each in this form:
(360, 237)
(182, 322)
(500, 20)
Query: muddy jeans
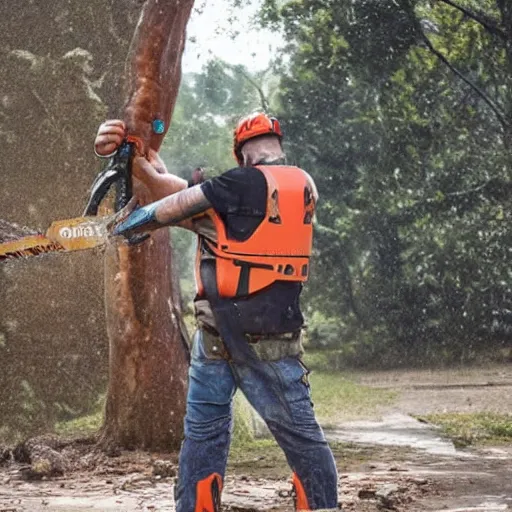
(282, 399)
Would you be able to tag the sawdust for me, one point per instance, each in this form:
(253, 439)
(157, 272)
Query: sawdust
(10, 231)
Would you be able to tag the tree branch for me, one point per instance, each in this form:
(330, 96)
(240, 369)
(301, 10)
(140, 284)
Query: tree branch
(263, 98)
(500, 115)
(486, 21)
(493, 188)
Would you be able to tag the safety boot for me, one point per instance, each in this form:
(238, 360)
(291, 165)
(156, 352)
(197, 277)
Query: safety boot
(208, 493)
(300, 500)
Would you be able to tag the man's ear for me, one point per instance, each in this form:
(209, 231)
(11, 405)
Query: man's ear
(244, 160)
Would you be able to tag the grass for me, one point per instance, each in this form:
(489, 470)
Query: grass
(254, 455)
(264, 457)
(466, 429)
(243, 431)
(336, 398)
(319, 360)
(82, 426)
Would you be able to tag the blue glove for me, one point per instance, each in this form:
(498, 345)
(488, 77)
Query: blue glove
(141, 219)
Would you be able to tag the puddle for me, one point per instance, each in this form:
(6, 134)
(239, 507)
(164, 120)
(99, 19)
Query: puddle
(394, 430)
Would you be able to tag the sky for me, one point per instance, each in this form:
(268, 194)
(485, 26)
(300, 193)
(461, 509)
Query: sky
(210, 33)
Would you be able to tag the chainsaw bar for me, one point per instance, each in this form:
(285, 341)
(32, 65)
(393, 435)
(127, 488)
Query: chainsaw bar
(62, 236)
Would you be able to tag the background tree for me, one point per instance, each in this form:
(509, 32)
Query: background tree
(400, 110)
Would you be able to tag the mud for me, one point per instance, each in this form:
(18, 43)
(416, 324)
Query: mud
(389, 480)
(393, 463)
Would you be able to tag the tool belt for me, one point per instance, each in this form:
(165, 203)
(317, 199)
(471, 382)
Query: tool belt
(266, 347)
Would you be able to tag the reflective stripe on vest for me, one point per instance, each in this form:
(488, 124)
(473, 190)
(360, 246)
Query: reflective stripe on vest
(280, 247)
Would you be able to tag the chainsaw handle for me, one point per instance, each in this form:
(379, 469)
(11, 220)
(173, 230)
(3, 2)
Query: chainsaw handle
(119, 172)
(124, 185)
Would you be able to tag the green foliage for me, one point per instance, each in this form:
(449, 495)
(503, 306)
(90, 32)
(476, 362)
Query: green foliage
(207, 108)
(323, 332)
(412, 165)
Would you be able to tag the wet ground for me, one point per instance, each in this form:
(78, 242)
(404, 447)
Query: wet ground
(391, 463)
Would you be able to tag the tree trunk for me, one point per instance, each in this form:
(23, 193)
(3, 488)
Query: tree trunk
(54, 93)
(148, 361)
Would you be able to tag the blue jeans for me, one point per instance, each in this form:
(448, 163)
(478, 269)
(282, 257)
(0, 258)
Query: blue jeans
(280, 394)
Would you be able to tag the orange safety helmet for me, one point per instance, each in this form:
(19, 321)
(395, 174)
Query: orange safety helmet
(253, 126)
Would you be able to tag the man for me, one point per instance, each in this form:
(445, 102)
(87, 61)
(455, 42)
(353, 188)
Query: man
(255, 236)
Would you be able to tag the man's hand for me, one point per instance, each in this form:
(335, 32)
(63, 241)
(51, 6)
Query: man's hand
(148, 169)
(122, 214)
(155, 160)
(110, 135)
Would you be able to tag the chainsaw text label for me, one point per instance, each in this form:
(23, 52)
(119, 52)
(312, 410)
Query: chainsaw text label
(80, 231)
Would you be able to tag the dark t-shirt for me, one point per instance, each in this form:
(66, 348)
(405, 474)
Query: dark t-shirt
(239, 196)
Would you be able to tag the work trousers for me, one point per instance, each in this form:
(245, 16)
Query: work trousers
(279, 391)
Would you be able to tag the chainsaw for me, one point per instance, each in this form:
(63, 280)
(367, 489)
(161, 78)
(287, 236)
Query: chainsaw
(67, 235)
(90, 230)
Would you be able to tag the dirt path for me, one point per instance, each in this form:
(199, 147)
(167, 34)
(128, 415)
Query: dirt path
(393, 463)
(448, 390)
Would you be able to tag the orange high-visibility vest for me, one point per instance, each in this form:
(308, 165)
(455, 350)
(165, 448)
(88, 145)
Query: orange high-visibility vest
(280, 247)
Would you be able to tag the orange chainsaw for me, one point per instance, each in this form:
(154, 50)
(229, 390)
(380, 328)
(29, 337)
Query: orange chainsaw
(62, 235)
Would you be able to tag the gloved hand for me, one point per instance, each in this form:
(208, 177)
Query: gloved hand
(134, 219)
(110, 135)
